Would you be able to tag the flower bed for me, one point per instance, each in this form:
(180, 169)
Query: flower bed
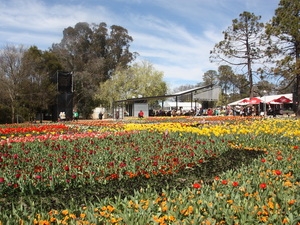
(230, 171)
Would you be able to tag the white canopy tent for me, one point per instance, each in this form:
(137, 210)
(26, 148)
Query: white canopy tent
(268, 99)
(238, 102)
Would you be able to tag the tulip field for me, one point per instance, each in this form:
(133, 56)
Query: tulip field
(164, 170)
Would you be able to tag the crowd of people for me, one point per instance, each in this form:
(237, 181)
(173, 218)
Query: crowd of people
(249, 110)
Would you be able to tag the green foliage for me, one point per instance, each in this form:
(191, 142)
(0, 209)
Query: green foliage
(210, 77)
(38, 92)
(25, 84)
(93, 52)
(179, 178)
(141, 79)
(242, 45)
(284, 36)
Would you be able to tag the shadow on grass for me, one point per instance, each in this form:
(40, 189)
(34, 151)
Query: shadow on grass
(233, 159)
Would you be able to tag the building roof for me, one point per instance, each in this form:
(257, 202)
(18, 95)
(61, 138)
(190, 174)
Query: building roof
(194, 91)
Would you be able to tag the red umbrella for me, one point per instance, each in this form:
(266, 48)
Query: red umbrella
(245, 101)
(282, 99)
(254, 101)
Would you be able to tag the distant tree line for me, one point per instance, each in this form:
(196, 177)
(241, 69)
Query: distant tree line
(253, 57)
(92, 53)
(256, 58)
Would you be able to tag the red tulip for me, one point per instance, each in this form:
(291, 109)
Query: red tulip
(235, 183)
(224, 182)
(279, 157)
(196, 185)
(2, 180)
(263, 185)
(38, 177)
(66, 168)
(122, 164)
(278, 172)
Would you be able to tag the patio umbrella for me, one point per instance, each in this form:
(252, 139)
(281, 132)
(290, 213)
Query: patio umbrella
(254, 101)
(274, 103)
(245, 101)
(282, 99)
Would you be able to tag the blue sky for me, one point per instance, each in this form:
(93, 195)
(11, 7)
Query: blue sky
(176, 36)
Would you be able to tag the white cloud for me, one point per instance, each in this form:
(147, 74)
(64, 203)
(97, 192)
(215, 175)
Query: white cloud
(175, 36)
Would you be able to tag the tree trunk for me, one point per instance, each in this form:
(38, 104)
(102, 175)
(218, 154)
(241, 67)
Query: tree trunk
(296, 95)
(13, 114)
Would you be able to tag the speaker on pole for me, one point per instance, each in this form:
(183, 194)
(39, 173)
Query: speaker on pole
(64, 99)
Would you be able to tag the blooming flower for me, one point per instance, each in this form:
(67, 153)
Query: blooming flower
(2, 180)
(225, 182)
(38, 177)
(230, 201)
(279, 157)
(292, 202)
(277, 172)
(263, 185)
(65, 212)
(196, 185)
(235, 183)
(66, 168)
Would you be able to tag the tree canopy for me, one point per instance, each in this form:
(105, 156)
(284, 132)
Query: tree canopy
(284, 51)
(139, 80)
(241, 45)
(92, 52)
(103, 67)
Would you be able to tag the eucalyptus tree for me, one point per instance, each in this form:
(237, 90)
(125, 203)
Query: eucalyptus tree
(242, 45)
(263, 86)
(284, 33)
(92, 52)
(210, 77)
(225, 77)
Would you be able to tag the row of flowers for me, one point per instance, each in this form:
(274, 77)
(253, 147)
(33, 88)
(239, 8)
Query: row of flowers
(209, 126)
(262, 189)
(29, 129)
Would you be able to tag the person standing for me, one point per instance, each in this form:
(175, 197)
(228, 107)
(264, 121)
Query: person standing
(62, 116)
(100, 116)
(75, 115)
(141, 114)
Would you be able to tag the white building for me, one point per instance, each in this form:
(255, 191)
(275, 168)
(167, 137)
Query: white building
(186, 106)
